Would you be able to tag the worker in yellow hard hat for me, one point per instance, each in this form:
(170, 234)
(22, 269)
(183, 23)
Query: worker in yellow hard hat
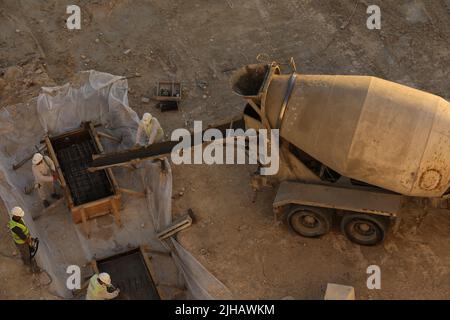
(20, 234)
(45, 178)
(100, 288)
(150, 130)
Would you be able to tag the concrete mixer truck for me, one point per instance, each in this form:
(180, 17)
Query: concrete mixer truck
(352, 148)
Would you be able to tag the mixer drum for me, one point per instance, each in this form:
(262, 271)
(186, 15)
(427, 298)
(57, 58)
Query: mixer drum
(366, 128)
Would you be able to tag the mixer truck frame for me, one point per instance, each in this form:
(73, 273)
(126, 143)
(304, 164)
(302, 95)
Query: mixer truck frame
(352, 148)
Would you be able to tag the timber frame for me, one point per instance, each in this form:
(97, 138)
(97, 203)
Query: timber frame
(146, 253)
(86, 211)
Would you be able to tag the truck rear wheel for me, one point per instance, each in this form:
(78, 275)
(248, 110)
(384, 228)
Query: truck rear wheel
(310, 221)
(364, 229)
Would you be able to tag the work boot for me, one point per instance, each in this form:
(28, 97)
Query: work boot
(56, 196)
(46, 203)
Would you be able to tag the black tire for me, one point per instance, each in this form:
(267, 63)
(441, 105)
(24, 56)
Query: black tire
(310, 221)
(364, 229)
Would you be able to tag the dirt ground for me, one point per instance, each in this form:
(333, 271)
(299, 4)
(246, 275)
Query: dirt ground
(200, 43)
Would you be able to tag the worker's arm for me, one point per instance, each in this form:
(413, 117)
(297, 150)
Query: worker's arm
(40, 177)
(154, 131)
(108, 295)
(49, 162)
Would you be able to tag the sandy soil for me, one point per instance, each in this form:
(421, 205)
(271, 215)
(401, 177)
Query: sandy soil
(200, 42)
(256, 258)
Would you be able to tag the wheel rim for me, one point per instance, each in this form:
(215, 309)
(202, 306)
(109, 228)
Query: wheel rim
(306, 223)
(309, 221)
(364, 231)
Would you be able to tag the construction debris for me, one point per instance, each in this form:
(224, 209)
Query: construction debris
(176, 226)
(339, 292)
(168, 93)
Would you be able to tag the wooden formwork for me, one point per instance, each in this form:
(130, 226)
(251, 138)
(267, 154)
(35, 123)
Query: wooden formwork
(82, 212)
(129, 275)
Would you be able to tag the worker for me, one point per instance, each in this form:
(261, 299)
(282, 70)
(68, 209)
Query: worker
(100, 288)
(150, 128)
(20, 234)
(45, 178)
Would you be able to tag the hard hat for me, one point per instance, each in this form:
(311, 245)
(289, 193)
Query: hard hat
(105, 278)
(37, 158)
(147, 117)
(17, 212)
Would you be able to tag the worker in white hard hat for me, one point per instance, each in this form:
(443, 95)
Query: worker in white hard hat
(100, 288)
(45, 178)
(20, 234)
(150, 130)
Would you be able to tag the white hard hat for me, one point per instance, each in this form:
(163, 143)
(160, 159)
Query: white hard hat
(147, 117)
(37, 158)
(17, 212)
(105, 278)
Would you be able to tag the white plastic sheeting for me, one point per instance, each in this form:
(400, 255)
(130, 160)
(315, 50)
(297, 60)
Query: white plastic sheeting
(100, 98)
(93, 96)
(201, 284)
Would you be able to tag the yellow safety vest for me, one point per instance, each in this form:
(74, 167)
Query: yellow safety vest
(159, 132)
(22, 226)
(95, 289)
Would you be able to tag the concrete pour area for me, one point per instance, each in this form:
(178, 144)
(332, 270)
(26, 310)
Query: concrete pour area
(64, 243)
(69, 245)
(102, 99)
(200, 43)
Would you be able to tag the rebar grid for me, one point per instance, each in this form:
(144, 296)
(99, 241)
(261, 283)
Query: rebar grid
(84, 186)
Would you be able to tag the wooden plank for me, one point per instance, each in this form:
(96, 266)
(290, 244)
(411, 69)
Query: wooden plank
(108, 136)
(116, 211)
(94, 209)
(94, 266)
(68, 134)
(26, 159)
(85, 224)
(152, 273)
(61, 178)
(176, 226)
(52, 155)
(93, 133)
(132, 192)
(113, 180)
(94, 203)
(164, 98)
(109, 173)
(148, 249)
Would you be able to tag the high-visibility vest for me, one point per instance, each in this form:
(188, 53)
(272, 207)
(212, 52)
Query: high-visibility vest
(22, 226)
(148, 130)
(95, 289)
